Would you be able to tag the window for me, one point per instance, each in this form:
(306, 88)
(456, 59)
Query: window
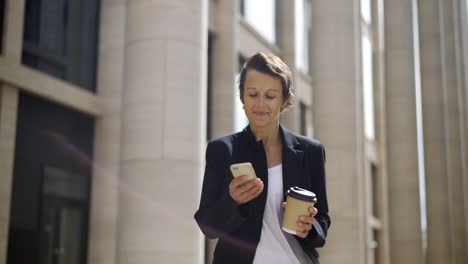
(375, 191)
(261, 14)
(367, 68)
(2, 17)
(302, 32)
(375, 215)
(375, 245)
(304, 119)
(51, 184)
(60, 39)
(209, 94)
(240, 120)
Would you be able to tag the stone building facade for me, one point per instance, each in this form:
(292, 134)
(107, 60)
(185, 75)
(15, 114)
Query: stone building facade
(106, 108)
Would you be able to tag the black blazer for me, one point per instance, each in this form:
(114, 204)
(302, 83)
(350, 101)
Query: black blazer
(238, 227)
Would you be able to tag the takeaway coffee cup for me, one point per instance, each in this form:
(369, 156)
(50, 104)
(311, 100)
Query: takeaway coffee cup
(298, 202)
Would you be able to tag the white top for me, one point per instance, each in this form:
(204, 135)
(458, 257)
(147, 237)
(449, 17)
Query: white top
(277, 246)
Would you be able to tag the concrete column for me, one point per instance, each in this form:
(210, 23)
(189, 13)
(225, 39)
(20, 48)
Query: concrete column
(381, 192)
(455, 171)
(163, 131)
(462, 31)
(11, 50)
(338, 116)
(286, 41)
(402, 71)
(440, 93)
(224, 92)
(105, 186)
(8, 113)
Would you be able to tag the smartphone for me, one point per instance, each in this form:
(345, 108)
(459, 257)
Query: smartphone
(245, 168)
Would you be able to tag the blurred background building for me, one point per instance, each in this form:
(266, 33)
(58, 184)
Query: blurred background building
(106, 108)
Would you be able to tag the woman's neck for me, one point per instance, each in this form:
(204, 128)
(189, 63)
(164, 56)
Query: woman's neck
(269, 135)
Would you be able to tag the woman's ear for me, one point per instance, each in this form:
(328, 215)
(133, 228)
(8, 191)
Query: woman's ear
(285, 104)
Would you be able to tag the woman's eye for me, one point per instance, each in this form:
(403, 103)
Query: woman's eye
(252, 95)
(270, 97)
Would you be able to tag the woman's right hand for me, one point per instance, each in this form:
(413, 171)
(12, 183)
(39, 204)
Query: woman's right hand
(242, 190)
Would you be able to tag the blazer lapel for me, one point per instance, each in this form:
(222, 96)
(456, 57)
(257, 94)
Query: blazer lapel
(292, 161)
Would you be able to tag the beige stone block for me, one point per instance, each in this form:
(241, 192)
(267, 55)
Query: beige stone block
(8, 115)
(183, 131)
(112, 25)
(145, 72)
(143, 103)
(435, 162)
(158, 199)
(343, 241)
(398, 71)
(403, 123)
(13, 29)
(303, 89)
(343, 197)
(137, 257)
(433, 121)
(110, 75)
(142, 132)
(431, 92)
(398, 13)
(406, 251)
(336, 97)
(404, 204)
(155, 19)
(53, 89)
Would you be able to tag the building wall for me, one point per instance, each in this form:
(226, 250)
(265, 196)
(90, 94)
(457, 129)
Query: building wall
(149, 150)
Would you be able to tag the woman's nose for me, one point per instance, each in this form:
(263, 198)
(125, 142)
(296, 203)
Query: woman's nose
(261, 100)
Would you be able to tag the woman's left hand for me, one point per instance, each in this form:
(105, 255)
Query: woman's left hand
(305, 222)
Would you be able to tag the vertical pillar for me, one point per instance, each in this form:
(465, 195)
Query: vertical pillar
(163, 131)
(103, 232)
(12, 48)
(286, 41)
(383, 236)
(338, 116)
(440, 94)
(448, 10)
(378, 16)
(462, 30)
(225, 96)
(402, 75)
(225, 63)
(8, 113)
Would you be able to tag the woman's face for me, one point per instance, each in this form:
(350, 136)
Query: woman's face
(263, 99)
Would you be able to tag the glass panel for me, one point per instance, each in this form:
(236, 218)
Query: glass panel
(2, 17)
(261, 14)
(302, 30)
(47, 235)
(31, 24)
(303, 118)
(366, 11)
(64, 184)
(62, 36)
(52, 26)
(375, 191)
(375, 245)
(240, 119)
(369, 126)
(69, 248)
(367, 70)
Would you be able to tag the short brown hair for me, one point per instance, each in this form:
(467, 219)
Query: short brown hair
(272, 65)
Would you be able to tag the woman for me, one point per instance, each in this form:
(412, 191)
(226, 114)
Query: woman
(246, 215)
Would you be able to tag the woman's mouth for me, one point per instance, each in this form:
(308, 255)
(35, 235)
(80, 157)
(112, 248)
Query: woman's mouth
(261, 114)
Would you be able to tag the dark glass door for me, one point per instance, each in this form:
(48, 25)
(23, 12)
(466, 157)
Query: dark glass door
(63, 215)
(62, 228)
